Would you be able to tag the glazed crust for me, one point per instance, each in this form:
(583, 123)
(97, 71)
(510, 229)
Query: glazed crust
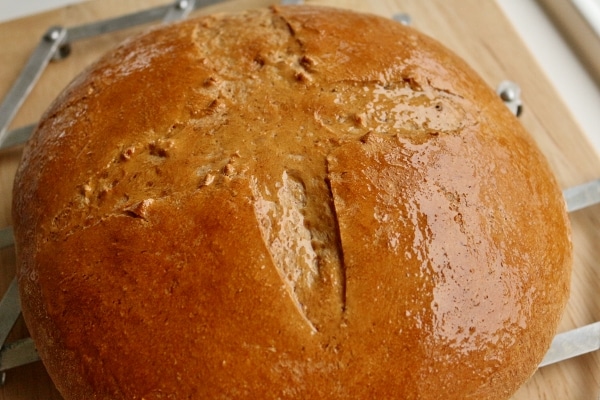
(296, 202)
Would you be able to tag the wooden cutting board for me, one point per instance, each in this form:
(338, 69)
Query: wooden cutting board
(476, 30)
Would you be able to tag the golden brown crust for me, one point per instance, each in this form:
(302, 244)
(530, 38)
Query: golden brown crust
(297, 202)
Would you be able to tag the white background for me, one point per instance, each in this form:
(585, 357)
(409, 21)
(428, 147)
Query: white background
(578, 91)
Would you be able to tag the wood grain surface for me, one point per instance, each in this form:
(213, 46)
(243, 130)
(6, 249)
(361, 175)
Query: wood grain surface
(476, 30)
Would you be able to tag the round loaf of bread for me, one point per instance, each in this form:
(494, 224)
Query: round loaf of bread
(287, 203)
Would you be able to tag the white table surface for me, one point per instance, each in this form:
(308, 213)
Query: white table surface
(578, 90)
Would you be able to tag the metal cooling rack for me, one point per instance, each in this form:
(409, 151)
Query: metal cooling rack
(55, 45)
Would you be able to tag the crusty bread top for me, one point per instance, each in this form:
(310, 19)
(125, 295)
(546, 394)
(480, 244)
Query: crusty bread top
(296, 202)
